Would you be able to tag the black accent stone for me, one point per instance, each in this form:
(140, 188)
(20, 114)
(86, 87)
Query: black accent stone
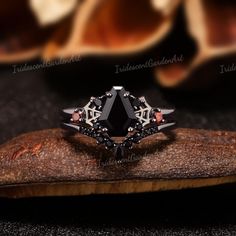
(128, 144)
(100, 139)
(136, 102)
(109, 144)
(117, 114)
(138, 126)
(119, 152)
(97, 102)
(96, 125)
(137, 138)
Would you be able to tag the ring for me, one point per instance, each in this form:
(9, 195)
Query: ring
(117, 113)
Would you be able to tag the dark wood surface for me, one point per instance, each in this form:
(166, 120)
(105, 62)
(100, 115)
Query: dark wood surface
(49, 162)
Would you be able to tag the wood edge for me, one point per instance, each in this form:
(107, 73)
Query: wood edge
(109, 187)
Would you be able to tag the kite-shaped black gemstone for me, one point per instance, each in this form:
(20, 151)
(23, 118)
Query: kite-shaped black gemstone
(117, 114)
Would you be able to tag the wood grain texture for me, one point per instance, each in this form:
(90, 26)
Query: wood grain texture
(48, 163)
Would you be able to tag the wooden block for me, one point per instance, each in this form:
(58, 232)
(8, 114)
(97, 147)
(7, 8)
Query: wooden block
(48, 163)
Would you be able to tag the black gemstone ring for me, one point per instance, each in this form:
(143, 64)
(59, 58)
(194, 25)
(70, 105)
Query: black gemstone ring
(116, 114)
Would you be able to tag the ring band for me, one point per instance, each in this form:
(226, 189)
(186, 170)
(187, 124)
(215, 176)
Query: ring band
(117, 113)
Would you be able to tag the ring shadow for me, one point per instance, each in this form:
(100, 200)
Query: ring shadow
(106, 158)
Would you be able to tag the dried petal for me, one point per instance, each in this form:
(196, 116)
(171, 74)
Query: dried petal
(51, 11)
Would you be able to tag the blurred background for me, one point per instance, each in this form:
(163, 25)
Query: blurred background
(182, 54)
